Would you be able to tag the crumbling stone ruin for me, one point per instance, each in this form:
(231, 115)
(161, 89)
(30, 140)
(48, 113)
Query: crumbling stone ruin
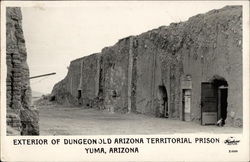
(191, 71)
(21, 118)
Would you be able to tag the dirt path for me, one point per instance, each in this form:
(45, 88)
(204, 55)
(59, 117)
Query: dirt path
(56, 120)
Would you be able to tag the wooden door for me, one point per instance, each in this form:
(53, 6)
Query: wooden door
(209, 95)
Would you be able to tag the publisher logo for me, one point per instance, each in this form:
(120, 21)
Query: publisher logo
(231, 141)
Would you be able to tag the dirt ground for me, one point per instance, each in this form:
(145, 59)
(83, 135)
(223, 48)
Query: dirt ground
(56, 120)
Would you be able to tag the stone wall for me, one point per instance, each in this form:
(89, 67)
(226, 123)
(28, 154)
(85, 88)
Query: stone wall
(216, 51)
(137, 70)
(97, 79)
(81, 85)
(20, 115)
(115, 76)
(206, 46)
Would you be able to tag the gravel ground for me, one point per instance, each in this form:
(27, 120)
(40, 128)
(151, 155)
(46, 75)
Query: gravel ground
(55, 120)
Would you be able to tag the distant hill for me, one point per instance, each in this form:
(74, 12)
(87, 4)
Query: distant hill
(36, 94)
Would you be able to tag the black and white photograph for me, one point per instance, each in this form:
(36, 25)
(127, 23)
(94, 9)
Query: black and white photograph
(142, 74)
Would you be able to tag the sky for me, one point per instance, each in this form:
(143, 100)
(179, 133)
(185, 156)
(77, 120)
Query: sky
(56, 35)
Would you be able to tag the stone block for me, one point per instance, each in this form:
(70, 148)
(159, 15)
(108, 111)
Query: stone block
(16, 56)
(8, 56)
(17, 84)
(12, 49)
(17, 62)
(18, 79)
(16, 94)
(12, 131)
(16, 106)
(16, 89)
(8, 86)
(16, 72)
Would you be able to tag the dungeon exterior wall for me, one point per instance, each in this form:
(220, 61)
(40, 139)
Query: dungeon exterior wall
(216, 51)
(116, 73)
(149, 73)
(183, 56)
(21, 117)
(97, 80)
(81, 85)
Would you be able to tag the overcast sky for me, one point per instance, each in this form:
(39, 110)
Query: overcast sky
(57, 35)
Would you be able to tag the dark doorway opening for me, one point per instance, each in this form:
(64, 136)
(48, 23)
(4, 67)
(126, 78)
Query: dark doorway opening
(164, 100)
(79, 96)
(222, 104)
(222, 88)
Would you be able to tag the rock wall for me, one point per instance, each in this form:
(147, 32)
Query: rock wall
(205, 46)
(97, 79)
(81, 85)
(20, 115)
(151, 72)
(216, 51)
(114, 81)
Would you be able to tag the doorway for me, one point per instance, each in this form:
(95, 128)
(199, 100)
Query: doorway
(79, 96)
(163, 100)
(222, 103)
(214, 101)
(186, 104)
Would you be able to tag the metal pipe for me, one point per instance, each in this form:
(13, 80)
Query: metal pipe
(38, 76)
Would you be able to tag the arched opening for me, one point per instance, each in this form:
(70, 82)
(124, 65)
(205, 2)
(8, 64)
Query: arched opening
(214, 101)
(221, 86)
(163, 101)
